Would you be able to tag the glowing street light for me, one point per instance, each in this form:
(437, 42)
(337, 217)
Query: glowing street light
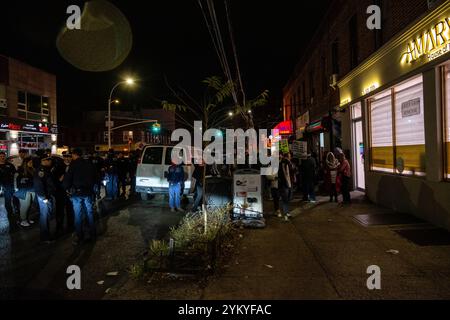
(129, 82)
(230, 114)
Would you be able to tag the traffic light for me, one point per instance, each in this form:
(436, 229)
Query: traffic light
(156, 128)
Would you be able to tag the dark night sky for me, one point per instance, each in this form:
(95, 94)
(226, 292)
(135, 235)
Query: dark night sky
(171, 39)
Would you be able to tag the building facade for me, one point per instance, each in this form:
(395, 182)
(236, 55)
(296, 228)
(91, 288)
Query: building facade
(385, 101)
(28, 116)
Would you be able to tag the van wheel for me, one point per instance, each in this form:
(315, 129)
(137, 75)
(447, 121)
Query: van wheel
(144, 196)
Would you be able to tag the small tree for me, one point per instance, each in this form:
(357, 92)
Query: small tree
(217, 98)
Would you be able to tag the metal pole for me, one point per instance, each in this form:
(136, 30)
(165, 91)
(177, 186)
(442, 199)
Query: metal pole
(109, 113)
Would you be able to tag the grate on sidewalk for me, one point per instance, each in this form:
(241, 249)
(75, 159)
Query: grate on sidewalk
(426, 236)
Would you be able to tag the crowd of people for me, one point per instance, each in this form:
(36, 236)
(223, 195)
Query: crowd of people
(294, 175)
(67, 188)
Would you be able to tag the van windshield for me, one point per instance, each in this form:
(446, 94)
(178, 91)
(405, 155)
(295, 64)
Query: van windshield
(153, 156)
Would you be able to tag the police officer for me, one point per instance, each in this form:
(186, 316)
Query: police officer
(58, 170)
(111, 170)
(45, 189)
(79, 182)
(7, 172)
(67, 202)
(122, 172)
(99, 165)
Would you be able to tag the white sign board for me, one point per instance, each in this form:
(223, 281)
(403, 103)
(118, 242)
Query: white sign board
(300, 149)
(411, 108)
(247, 188)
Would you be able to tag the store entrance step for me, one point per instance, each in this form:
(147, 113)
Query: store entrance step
(426, 236)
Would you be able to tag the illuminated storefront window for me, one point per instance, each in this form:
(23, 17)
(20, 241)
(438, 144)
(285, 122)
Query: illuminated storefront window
(398, 130)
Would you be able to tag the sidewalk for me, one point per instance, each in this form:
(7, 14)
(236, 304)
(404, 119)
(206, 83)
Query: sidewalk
(323, 253)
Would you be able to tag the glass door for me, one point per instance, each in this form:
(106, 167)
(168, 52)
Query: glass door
(358, 148)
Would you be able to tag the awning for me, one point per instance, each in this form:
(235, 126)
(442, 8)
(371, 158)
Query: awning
(285, 128)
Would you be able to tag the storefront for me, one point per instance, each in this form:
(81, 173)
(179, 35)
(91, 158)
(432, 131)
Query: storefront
(398, 124)
(18, 134)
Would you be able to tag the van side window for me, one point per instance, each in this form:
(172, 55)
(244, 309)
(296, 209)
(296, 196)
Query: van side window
(169, 155)
(153, 156)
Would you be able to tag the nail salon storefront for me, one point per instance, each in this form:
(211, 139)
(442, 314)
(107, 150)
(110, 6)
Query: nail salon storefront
(398, 120)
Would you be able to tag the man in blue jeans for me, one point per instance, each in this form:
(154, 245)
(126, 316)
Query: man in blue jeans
(79, 182)
(175, 177)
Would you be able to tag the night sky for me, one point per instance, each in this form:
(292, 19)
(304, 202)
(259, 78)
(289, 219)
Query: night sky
(170, 39)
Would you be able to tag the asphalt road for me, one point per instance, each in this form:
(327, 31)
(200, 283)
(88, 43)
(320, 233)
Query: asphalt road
(30, 270)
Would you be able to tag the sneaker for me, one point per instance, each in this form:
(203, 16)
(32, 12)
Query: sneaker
(172, 210)
(280, 215)
(286, 219)
(30, 221)
(180, 210)
(24, 224)
(312, 201)
(289, 215)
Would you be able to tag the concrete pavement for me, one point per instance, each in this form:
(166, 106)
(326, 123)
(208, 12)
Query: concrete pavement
(324, 254)
(31, 270)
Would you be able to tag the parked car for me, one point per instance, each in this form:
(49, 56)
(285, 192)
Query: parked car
(154, 163)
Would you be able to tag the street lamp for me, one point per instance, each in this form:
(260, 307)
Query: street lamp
(128, 82)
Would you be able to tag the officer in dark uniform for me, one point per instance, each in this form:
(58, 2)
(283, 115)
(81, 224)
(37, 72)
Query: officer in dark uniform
(7, 172)
(58, 170)
(99, 165)
(67, 202)
(45, 189)
(133, 160)
(79, 182)
(111, 170)
(122, 172)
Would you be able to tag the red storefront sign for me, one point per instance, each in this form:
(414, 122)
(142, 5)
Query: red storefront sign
(285, 128)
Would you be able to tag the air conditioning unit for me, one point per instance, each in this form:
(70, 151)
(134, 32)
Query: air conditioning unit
(3, 103)
(432, 4)
(333, 80)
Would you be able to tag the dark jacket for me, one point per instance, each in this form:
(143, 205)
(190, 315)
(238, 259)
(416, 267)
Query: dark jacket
(282, 179)
(43, 183)
(175, 174)
(198, 174)
(7, 172)
(80, 178)
(122, 167)
(309, 169)
(24, 184)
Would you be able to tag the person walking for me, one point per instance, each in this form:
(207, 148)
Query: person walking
(332, 166)
(345, 173)
(308, 178)
(24, 191)
(275, 194)
(285, 185)
(79, 182)
(7, 172)
(45, 189)
(175, 177)
(198, 175)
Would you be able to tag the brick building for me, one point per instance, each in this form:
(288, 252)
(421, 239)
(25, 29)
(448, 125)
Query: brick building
(387, 102)
(93, 135)
(28, 114)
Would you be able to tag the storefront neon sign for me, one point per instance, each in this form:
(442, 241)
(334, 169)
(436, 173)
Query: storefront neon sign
(433, 43)
(285, 128)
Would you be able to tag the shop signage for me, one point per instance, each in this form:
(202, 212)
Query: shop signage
(300, 149)
(411, 108)
(285, 128)
(370, 89)
(28, 127)
(284, 146)
(431, 43)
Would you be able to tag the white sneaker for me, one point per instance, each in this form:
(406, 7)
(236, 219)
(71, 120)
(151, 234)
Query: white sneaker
(25, 224)
(289, 215)
(172, 210)
(30, 221)
(286, 218)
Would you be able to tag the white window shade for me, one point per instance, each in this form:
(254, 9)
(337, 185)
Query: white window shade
(409, 116)
(381, 122)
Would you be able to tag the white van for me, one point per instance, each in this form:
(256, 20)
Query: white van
(150, 176)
